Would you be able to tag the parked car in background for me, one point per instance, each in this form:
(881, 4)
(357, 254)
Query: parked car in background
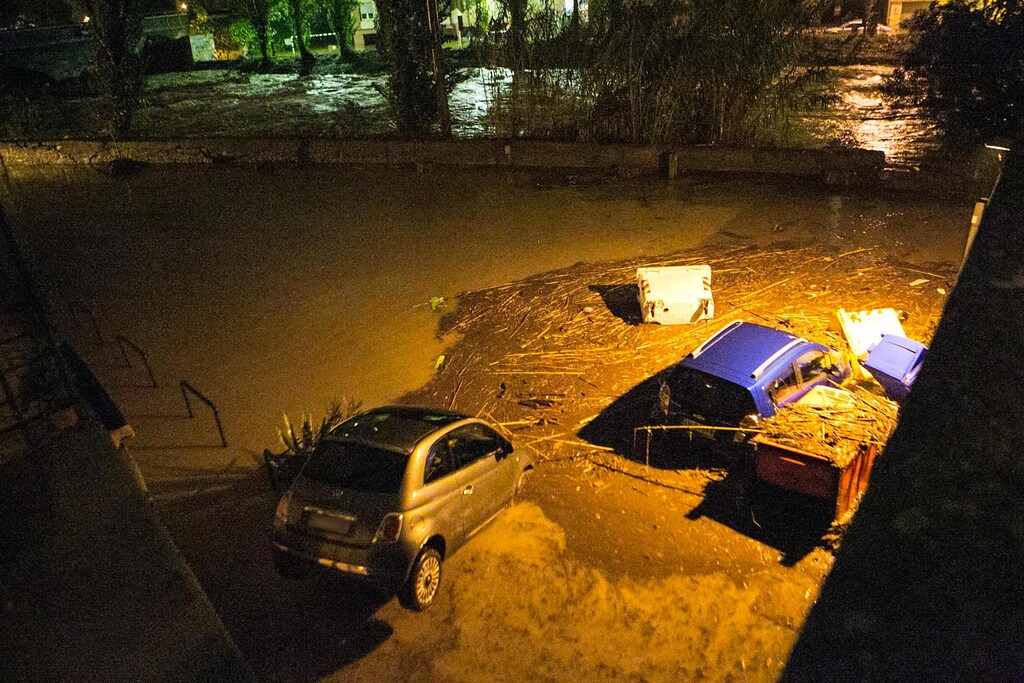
(391, 493)
(742, 374)
(857, 26)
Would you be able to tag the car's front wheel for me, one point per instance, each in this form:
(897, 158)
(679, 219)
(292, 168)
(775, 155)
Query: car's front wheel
(421, 588)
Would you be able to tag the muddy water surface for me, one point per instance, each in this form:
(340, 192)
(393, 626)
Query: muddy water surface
(277, 288)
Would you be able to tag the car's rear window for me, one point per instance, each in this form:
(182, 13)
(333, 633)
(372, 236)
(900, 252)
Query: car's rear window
(716, 400)
(357, 467)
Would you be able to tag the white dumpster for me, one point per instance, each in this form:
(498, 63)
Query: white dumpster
(675, 294)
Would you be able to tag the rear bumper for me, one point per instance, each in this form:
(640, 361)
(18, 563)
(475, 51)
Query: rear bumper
(343, 567)
(384, 565)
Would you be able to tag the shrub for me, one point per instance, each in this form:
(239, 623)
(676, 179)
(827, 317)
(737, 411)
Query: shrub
(966, 69)
(300, 441)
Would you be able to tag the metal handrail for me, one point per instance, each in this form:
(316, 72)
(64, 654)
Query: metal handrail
(187, 388)
(74, 306)
(124, 343)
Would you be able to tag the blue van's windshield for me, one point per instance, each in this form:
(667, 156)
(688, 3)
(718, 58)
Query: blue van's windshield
(357, 467)
(713, 399)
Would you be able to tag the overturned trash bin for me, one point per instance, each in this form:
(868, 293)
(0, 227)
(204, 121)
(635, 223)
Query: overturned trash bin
(675, 294)
(863, 329)
(894, 362)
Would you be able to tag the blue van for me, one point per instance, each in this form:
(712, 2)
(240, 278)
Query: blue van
(743, 373)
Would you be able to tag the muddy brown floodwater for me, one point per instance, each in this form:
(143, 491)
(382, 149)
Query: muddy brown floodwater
(276, 288)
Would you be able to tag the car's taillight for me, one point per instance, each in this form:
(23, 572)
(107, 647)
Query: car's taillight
(390, 528)
(281, 514)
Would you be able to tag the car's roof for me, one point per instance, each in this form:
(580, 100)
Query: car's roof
(396, 428)
(739, 349)
(860, 22)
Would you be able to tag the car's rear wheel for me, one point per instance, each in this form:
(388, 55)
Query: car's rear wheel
(521, 484)
(291, 567)
(421, 589)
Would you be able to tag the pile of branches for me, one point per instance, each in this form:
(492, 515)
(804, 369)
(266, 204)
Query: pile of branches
(839, 427)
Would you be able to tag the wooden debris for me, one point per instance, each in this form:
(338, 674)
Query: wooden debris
(837, 433)
(571, 343)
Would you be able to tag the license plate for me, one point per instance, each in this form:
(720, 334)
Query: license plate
(332, 524)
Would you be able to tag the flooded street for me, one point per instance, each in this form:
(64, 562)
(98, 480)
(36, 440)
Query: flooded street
(276, 289)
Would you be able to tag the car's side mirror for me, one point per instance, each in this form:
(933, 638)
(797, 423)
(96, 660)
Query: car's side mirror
(505, 449)
(751, 422)
(840, 368)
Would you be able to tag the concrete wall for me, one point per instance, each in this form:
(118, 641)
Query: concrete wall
(834, 167)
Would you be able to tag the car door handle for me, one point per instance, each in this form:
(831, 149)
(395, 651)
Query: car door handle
(468, 490)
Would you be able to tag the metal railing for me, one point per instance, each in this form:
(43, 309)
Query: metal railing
(186, 389)
(124, 343)
(73, 308)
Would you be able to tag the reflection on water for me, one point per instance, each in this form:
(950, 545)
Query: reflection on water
(864, 117)
(352, 105)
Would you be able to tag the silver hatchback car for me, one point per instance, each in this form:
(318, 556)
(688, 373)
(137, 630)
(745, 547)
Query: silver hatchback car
(393, 491)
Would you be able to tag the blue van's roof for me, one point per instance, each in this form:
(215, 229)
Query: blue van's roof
(738, 350)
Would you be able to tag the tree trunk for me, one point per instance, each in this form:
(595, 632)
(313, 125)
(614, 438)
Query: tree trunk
(517, 33)
(444, 115)
(404, 42)
(116, 55)
(306, 58)
(259, 14)
(870, 17)
(342, 24)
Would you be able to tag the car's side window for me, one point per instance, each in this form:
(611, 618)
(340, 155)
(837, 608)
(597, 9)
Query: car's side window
(813, 366)
(474, 442)
(440, 461)
(784, 386)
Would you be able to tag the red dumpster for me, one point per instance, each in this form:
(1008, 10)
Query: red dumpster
(824, 445)
(839, 483)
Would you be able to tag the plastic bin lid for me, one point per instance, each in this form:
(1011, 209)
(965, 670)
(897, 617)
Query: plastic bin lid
(895, 356)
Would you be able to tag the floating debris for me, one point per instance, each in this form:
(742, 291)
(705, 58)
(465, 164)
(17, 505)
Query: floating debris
(576, 335)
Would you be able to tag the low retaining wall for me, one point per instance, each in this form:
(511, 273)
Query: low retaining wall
(834, 167)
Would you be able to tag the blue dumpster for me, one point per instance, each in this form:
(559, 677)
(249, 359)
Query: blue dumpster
(895, 361)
